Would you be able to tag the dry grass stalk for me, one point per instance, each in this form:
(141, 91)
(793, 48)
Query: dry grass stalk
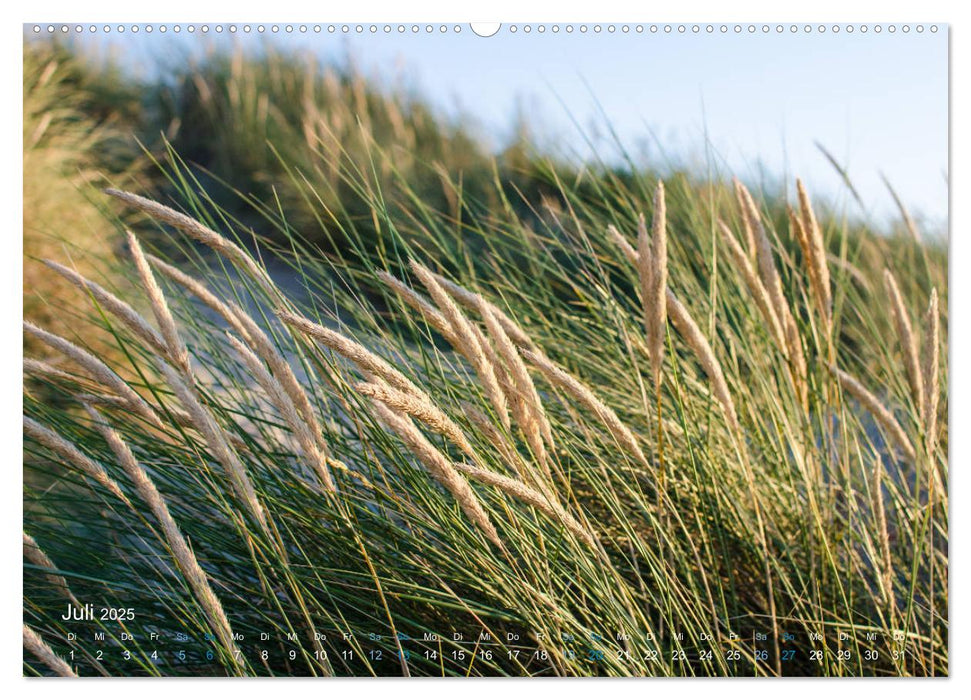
(905, 215)
(251, 333)
(766, 262)
(202, 234)
(931, 376)
(355, 352)
(468, 342)
(177, 351)
(418, 302)
(73, 456)
(228, 311)
(510, 456)
(39, 648)
(507, 388)
(440, 468)
(886, 574)
(506, 383)
(520, 491)
(797, 361)
(184, 557)
(438, 321)
(178, 415)
(652, 269)
(527, 404)
(880, 413)
(118, 308)
(421, 409)
(907, 340)
(518, 337)
(218, 444)
(852, 270)
(278, 397)
(773, 286)
(741, 196)
(819, 276)
(36, 556)
(799, 233)
(618, 239)
(756, 288)
(689, 330)
(98, 369)
(473, 301)
(356, 475)
(39, 368)
(580, 391)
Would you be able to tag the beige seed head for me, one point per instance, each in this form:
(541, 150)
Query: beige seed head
(420, 304)
(507, 388)
(118, 308)
(541, 501)
(692, 335)
(686, 326)
(440, 468)
(618, 239)
(742, 196)
(218, 444)
(366, 360)
(907, 340)
(581, 392)
(39, 368)
(98, 369)
(177, 351)
(797, 360)
(228, 311)
(472, 301)
(35, 644)
(652, 271)
(799, 233)
(442, 324)
(931, 376)
(439, 321)
(184, 557)
(817, 258)
(468, 341)
(756, 288)
(251, 333)
(201, 233)
(527, 405)
(420, 409)
(766, 262)
(808, 253)
(281, 400)
(886, 574)
(69, 452)
(880, 413)
(38, 557)
(773, 286)
(178, 415)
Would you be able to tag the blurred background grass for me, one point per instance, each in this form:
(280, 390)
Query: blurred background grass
(285, 145)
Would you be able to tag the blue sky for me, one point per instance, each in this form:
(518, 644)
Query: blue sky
(751, 105)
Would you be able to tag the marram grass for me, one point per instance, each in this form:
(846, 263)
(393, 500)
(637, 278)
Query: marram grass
(563, 439)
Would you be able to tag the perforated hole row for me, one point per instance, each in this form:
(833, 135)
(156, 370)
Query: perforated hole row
(512, 28)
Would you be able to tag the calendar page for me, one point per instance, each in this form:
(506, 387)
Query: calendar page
(539, 349)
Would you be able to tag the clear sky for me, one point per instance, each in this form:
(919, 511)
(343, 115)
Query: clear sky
(747, 104)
